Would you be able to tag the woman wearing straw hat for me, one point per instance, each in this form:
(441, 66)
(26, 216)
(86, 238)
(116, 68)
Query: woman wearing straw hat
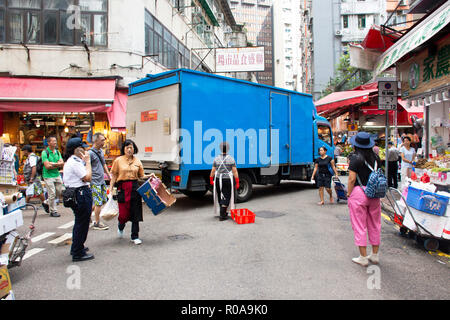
(365, 213)
(221, 178)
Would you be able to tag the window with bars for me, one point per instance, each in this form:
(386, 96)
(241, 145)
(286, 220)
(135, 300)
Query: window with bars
(63, 22)
(163, 46)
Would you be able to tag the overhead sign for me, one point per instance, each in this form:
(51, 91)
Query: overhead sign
(424, 71)
(240, 59)
(417, 36)
(387, 95)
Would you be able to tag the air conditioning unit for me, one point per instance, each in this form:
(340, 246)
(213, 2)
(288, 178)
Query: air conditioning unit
(208, 29)
(338, 32)
(228, 29)
(220, 16)
(197, 10)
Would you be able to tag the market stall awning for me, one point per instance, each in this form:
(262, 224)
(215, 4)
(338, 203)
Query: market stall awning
(403, 114)
(340, 99)
(375, 40)
(56, 94)
(416, 37)
(117, 114)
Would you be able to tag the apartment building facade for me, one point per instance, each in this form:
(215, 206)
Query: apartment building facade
(256, 16)
(97, 38)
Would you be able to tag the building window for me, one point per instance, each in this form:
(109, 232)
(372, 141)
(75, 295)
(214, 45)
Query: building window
(50, 22)
(361, 21)
(345, 21)
(163, 46)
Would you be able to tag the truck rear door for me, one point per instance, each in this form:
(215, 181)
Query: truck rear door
(152, 123)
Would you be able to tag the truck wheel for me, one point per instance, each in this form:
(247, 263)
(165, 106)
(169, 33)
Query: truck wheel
(195, 194)
(245, 188)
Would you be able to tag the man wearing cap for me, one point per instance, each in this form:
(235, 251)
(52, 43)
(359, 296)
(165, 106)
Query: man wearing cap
(32, 178)
(78, 175)
(53, 162)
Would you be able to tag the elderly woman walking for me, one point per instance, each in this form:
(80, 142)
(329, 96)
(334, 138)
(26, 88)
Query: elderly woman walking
(365, 213)
(221, 178)
(125, 173)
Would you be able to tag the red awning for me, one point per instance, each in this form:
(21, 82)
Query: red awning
(56, 95)
(116, 115)
(403, 114)
(377, 41)
(336, 100)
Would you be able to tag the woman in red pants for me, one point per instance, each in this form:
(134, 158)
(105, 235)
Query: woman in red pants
(126, 171)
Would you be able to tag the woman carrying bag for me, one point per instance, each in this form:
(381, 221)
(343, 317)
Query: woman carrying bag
(76, 177)
(325, 169)
(365, 212)
(221, 178)
(126, 171)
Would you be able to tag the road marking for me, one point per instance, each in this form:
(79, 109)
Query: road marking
(61, 239)
(32, 252)
(42, 236)
(67, 225)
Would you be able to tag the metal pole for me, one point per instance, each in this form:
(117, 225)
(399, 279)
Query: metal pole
(386, 142)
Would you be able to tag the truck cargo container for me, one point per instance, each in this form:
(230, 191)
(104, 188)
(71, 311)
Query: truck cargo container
(179, 118)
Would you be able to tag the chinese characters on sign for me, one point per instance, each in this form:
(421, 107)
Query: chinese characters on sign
(149, 115)
(240, 59)
(387, 95)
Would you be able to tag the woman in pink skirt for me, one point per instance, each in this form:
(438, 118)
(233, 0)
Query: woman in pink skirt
(365, 213)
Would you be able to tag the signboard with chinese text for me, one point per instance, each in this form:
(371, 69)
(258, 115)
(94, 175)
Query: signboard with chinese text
(151, 115)
(240, 59)
(424, 72)
(387, 95)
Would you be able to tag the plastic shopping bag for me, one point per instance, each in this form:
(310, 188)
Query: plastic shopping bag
(110, 210)
(30, 190)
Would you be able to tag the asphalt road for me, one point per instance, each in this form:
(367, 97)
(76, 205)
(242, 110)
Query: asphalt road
(294, 250)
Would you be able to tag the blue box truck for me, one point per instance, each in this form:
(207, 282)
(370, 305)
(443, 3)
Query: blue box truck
(179, 118)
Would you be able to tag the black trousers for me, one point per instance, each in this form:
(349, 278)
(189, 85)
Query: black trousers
(134, 229)
(393, 174)
(226, 191)
(82, 213)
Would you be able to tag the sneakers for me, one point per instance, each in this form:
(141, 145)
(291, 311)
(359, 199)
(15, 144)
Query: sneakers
(120, 233)
(99, 226)
(55, 214)
(137, 241)
(374, 258)
(46, 207)
(363, 261)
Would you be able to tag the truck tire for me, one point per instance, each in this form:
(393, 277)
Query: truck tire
(245, 188)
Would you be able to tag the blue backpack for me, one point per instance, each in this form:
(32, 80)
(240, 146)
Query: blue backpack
(376, 185)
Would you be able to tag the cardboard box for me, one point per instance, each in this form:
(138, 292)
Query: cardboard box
(11, 221)
(157, 199)
(18, 205)
(8, 190)
(433, 223)
(5, 282)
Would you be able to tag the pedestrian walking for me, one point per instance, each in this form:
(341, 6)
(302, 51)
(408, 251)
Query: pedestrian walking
(408, 155)
(221, 178)
(365, 213)
(77, 174)
(337, 151)
(324, 168)
(392, 156)
(32, 178)
(98, 184)
(53, 162)
(125, 172)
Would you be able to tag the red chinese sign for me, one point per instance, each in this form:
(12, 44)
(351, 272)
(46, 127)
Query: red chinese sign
(151, 115)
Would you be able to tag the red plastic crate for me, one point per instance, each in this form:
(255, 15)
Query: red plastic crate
(242, 216)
